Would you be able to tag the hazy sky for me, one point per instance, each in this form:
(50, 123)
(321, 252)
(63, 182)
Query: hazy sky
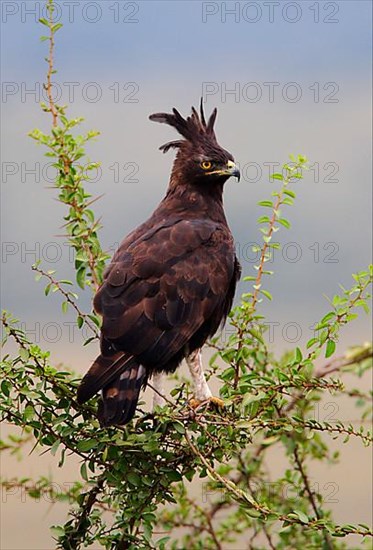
(287, 77)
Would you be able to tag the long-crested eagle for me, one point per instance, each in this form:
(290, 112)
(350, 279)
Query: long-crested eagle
(171, 283)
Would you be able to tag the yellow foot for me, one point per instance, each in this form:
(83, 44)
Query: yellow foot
(216, 401)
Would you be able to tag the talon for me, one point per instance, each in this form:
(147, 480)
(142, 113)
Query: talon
(194, 403)
(216, 401)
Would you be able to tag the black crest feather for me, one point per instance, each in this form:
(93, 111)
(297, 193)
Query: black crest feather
(193, 128)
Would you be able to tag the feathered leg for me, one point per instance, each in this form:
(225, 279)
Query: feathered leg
(202, 391)
(157, 383)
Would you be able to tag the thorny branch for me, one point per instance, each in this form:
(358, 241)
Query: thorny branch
(67, 296)
(310, 494)
(48, 85)
(263, 255)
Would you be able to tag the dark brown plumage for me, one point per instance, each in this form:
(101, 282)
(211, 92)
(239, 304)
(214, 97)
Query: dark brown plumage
(171, 282)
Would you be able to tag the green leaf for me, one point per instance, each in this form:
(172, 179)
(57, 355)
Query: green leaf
(363, 304)
(253, 513)
(298, 355)
(268, 204)
(302, 516)
(80, 276)
(161, 542)
(330, 348)
(5, 387)
(55, 446)
(328, 317)
(147, 531)
(311, 342)
(277, 176)
(28, 413)
(95, 319)
(86, 445)
(288, 201)
(256, 334)
(56, 27)
(284, 222)
(57, 531)
(83, 471)
(24, 354)
(134, 479)
(263, 219)
(90, 214)
(174, 475)
(267, 294)
(179, 427)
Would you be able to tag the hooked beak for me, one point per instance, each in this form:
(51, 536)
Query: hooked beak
(232, 170)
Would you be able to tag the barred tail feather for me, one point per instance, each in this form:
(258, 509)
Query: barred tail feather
(120, 398)
(120, 377)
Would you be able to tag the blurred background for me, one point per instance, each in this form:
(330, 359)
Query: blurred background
(286, 77)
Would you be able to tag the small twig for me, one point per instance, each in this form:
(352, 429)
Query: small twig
(327, 540)
(22, 344)
(271, 226)
(209, 527)
(332, 366)
(173, 405)
(339, 363)
(68, 298)
(232, 488)
(81, 526)
(242, 496)
(48, 86)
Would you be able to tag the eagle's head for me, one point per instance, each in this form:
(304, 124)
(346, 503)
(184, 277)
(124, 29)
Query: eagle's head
(200, 159)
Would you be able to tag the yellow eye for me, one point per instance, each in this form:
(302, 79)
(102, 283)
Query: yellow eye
(206, 164)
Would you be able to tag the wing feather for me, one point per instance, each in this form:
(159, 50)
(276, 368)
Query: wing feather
(161, 288)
